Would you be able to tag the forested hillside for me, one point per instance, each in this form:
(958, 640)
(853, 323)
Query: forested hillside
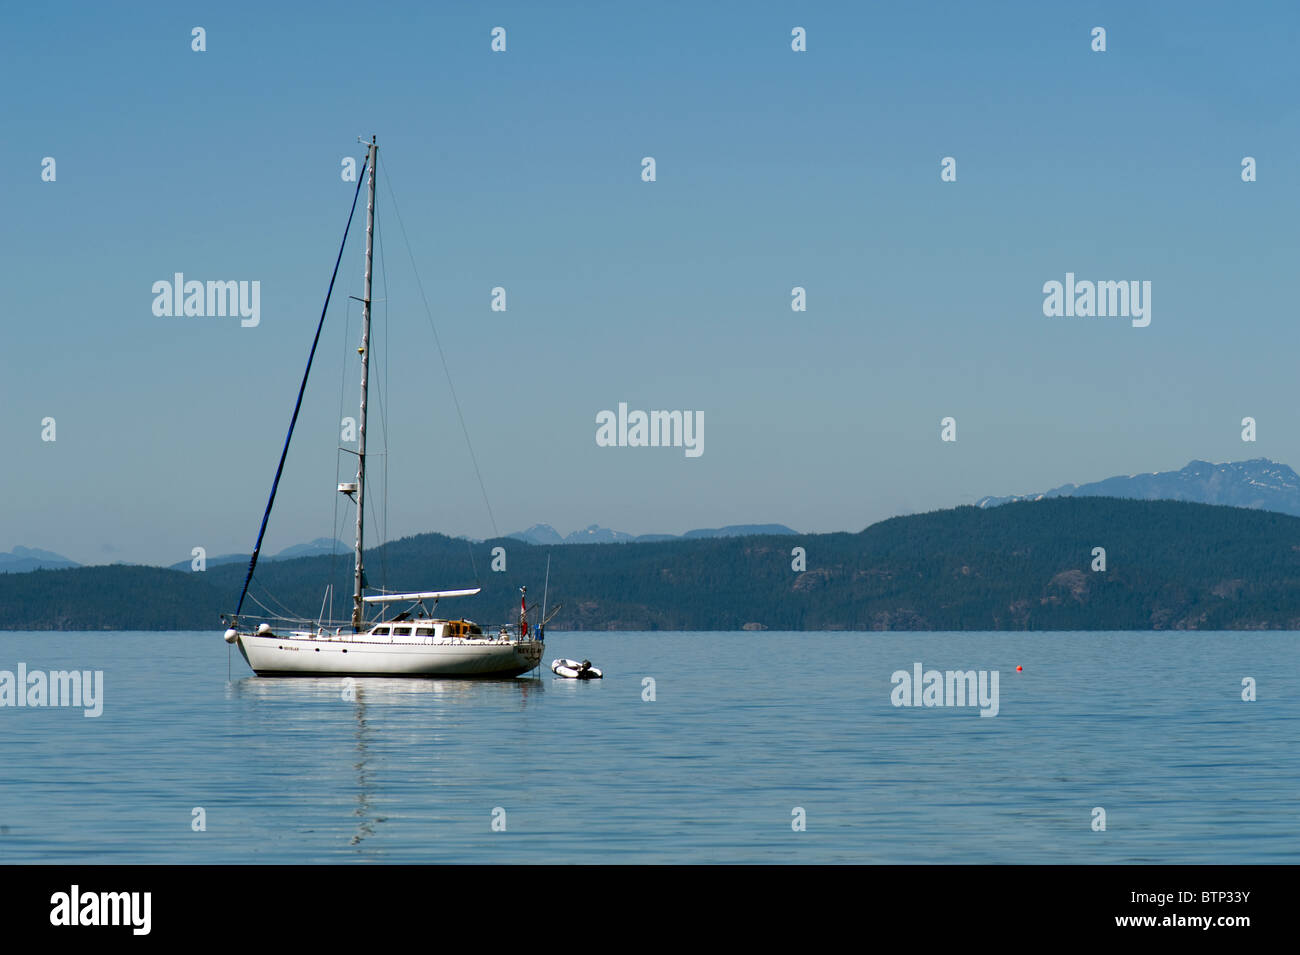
(1028, 565)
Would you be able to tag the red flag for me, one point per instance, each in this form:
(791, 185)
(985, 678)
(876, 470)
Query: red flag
(523, 616)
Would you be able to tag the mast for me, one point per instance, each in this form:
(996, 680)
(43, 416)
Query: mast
(357, 605)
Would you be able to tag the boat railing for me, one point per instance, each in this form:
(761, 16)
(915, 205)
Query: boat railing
(342, 629)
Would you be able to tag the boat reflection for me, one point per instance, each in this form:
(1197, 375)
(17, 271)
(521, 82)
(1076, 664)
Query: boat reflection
(365, 825)
(385, 691)
(422, 711)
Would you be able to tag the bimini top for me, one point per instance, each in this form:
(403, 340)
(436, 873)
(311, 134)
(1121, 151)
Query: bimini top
(423, 595)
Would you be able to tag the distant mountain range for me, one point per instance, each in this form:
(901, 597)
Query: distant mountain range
(1259, 483)
(315, 548)
(22, 559)
(595, 534)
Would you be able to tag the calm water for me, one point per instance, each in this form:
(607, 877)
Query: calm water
(744, 727)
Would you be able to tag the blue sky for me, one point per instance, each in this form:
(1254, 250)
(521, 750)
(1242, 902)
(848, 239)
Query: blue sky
(522, 169)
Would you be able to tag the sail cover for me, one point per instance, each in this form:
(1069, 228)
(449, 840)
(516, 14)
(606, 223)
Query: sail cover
(422, 595)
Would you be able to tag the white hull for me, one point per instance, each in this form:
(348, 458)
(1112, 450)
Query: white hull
(303, 655)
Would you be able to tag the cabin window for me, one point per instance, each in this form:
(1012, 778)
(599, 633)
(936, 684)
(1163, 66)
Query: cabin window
(380, 631)
(424, 631)
(401, 631)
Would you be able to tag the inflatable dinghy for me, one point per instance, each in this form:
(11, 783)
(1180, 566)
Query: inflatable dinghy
(575, 669)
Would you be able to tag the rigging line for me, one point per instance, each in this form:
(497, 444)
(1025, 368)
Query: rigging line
(383, 545)
(338, 454)
(252, 561)
(334, 536)
(383, 402)
(383, 268)
(441, 356)
(266, 592)
(292, 618)
(275, 600)
(472, 565)
(274, 611)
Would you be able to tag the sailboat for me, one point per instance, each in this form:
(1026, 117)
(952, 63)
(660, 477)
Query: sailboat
(413, 642)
